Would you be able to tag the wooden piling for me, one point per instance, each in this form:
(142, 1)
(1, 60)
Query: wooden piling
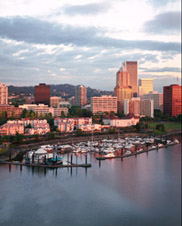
(9, 155)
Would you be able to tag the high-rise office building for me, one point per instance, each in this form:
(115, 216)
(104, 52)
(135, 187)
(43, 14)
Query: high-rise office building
(134, 106)
(172, 100)
(139, 107)
(147, 108)
(156, 97)
(80, 95)
(3, 94)
(123, 89)
(132, 68)
(145, 86)
(42, 94)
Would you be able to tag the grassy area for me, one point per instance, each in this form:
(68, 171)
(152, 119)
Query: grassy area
(169, 126)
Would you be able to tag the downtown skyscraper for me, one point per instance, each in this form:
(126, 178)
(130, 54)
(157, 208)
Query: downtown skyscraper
(123, 90)
(132, 68)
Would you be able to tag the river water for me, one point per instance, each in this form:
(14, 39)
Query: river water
(138, 191)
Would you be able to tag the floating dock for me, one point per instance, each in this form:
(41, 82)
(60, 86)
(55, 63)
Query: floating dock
(46, 166)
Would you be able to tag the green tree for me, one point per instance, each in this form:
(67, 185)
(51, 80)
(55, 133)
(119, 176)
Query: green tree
(3, 117)
(75, 111)
(24, 113)
(138, 127)
(160, 127)
(18, 138)
(79, 132)
(28, 126)
(51, 136)
(62, 114)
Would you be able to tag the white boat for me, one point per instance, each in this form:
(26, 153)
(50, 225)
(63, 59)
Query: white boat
(127, 152)
(160, 145)
(129, 146)
(153, 147)
(168, 141)
(150, 140)
(139, 150)
(109, 155)
(176, 141)
(109, 150)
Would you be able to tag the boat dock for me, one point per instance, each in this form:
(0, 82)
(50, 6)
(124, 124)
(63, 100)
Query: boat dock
(46, 166)
(133, 153)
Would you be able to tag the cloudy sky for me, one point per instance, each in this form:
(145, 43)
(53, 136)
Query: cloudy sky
(86, 41)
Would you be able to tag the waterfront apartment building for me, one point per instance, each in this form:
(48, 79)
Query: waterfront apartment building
(38, 126)
(172, 100)
(156, 97)
(11, 129)
(69, 124)
(42, 94)
(90, 127)
(104, 104)
(132, 68)
(123, 90)
(127, 121)
(3, 94)
(145, 86)
(80, 95)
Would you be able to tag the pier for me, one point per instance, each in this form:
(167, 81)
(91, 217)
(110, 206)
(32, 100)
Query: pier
(46, 166)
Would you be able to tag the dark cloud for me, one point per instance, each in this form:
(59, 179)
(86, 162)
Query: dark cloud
(164, 69)
(88, 9)
(32, 30)
(168, 22)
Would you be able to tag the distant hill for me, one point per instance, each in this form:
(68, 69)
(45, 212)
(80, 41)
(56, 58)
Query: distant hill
(63, 90)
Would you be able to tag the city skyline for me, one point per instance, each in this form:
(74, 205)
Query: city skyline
(87, 41)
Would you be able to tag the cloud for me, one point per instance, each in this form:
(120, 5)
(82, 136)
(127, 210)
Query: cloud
(32, 30)
(168, 22)
(164, 69)
(87, 9)
(160, 2)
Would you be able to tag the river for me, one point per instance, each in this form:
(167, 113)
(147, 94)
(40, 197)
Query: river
(138, 191)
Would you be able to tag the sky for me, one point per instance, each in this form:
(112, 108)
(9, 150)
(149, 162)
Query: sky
(85, 42)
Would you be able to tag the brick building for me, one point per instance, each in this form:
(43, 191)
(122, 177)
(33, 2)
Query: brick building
(172, 100)
(42, 94)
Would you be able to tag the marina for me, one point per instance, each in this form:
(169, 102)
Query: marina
(111, 192)
(66, 155)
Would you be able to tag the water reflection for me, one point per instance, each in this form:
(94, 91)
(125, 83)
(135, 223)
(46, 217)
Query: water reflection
(140, 191)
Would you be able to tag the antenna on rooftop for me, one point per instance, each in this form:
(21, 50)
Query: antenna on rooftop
(177, 79)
